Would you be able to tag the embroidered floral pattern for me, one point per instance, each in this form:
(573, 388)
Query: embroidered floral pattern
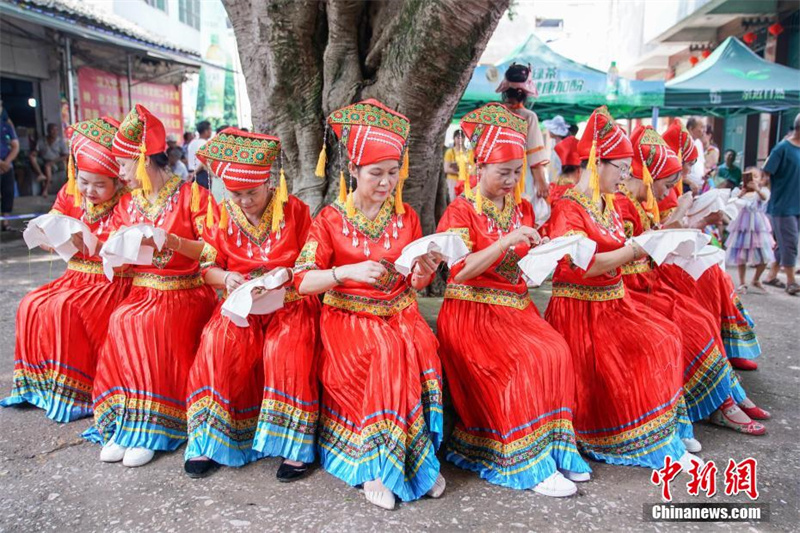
(589, 293)
(464, 234)
(372, 229)
(167, 283)
(497, 115)
(160, 259)
(508, 267)
(208, 257)
(505, 218)
(256, 234)
(608, 219)
(365, 114)
(389, 280)
(152, 211)
(486, 295)
(94, 212)
(373, 306)
(307, 260)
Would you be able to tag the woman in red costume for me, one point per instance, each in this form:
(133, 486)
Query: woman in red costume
(709, 380)
(253, 391)
(630, 408)
(515, 403)
(62, 325)
(714, 290)
(140, 389)
(381, 379)
(567, 151)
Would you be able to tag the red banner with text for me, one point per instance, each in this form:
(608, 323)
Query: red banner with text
(106, 94)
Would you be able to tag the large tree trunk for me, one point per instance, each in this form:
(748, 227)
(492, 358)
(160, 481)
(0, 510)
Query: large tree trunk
(302, 59)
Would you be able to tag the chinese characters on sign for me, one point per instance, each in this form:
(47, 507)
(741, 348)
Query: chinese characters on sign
(764, 94)
(103, 93)
(738, 478)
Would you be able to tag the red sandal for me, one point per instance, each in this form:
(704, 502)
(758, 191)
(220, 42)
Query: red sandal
(721, 417)
(756, 413)
(743, 364)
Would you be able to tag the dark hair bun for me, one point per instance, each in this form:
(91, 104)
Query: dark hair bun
(518, 73)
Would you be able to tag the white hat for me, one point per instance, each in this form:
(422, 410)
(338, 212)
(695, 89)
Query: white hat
(557, 126)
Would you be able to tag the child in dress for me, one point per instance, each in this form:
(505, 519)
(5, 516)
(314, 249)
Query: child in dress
(750, 239)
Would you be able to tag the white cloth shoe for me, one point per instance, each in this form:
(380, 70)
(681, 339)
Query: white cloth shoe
(692, 445)
(686, 461)
(556, 486)
(438, 487)
(576, 477)
(112, 452)
(137, 457)
(382, 498)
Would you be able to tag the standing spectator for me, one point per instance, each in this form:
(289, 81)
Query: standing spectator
(558, 129)
(729, 175)
(51, 153)
(750, 239)
(451, 155)
(9, 148)
(178, 168)
(783, 167)
(187, 138)
(695, 178)
(196, 169)
(711, 151)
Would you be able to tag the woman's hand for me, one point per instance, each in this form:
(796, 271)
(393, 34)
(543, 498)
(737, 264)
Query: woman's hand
(685, 201)
(232, 281)
(368, 272)
(77, 242)
(521, 235)
(427, 264)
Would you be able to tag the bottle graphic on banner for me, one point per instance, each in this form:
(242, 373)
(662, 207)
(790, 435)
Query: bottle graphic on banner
(612, 82)
(211, 90)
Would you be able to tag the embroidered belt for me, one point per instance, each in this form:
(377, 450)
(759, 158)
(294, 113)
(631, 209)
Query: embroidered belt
(167, 283)
(486, 295)
(637, 267)
(93, 267)
(589, 292)
(365, 304)
(292, 295)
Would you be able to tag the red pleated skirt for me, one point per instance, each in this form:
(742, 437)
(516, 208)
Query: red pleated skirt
(60, 329)
(513, 386)
(253, 391)
(381, 400)
(715, 292)
(140, 389)
(708, 377)
(629, 380)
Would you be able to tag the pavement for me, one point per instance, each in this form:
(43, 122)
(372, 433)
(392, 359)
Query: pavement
(52, 480)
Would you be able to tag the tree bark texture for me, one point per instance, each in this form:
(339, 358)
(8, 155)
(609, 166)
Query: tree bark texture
(303, 59)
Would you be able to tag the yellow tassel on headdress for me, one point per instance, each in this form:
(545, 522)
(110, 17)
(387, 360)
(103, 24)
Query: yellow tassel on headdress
(680, 180)
(283, 189)
(594, 177)
(223, 216)
(277, 213)
(349, 206)
(342, 188)
(404, 167)
(609, 198)
(478, 199)
(210, 212)
(519, 190)
(399, 208)
(141, 171)
(321, 162)
(72, 182)
(461, 160)
(650, 204)
(195, 205)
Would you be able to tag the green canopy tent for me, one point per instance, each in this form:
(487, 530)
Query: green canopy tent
(733, 81)
(565, 87)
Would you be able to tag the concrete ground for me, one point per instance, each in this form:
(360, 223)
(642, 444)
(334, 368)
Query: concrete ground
(50, 479)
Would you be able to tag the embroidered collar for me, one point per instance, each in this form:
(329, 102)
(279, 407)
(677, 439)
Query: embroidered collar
(373, 229)
(152, 211)
(505, 218)
(605, 219)
(256, 234)
(94, 212)
(643, 217)
(563, 180)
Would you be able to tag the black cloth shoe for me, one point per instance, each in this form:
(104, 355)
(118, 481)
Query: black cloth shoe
(196, 468)
(287, 472)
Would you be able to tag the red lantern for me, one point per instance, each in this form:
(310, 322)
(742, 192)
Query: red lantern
(776, 29)
(706, 53)
(749, 37)
(693, 60)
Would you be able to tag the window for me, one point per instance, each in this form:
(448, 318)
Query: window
(189, 13)
(158, 4)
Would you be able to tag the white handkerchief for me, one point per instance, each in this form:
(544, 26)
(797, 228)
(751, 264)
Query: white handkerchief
(56, 230)
(659, 244)
(449, 244)
(710, 202)
(542, 260)
(698, 263)
(260, 296)
(125, 247)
